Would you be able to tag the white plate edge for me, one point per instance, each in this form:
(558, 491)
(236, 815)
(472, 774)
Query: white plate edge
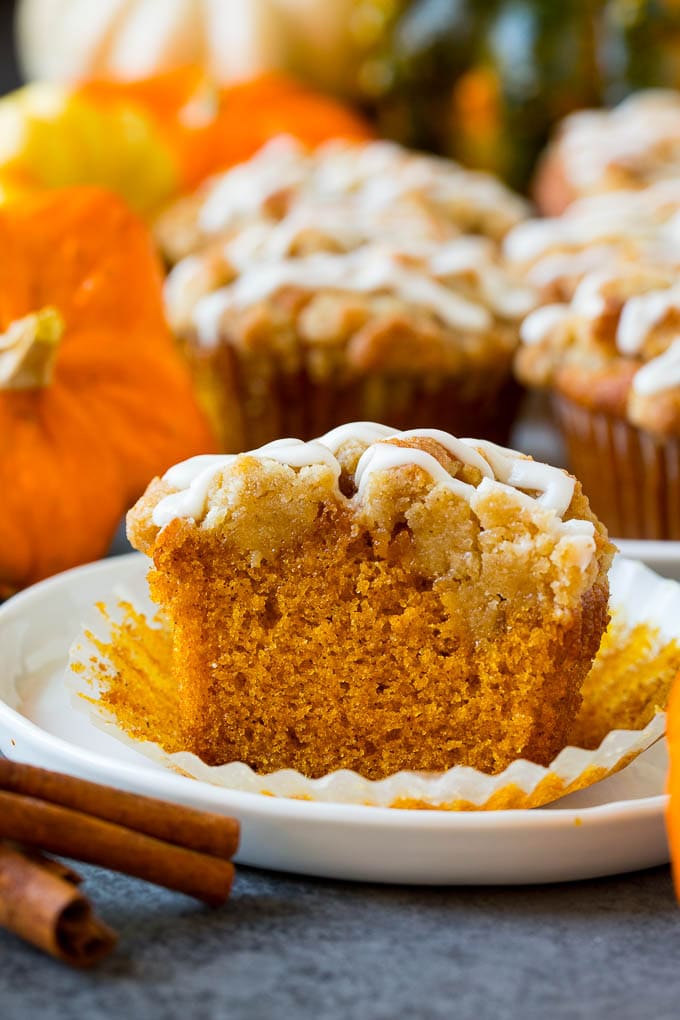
(152, 780)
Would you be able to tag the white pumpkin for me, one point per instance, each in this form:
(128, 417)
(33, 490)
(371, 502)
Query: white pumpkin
(66, 40)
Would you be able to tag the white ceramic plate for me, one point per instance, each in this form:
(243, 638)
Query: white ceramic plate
(664, 557)
(615, 826)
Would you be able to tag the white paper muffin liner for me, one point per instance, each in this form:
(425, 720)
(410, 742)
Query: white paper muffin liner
(631, 477)
(638, 596)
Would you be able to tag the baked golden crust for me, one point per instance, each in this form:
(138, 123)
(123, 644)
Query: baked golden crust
(609, 233)
(596, 151)
(612, 347)
(141, 530)
(317, 330)
(375, 621)
(339, 196)
(327, 332)
(551, 188)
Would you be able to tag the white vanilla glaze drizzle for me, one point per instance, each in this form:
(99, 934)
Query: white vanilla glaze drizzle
(540, 323)
(383, 456)
(661, 373)
(352, 194)
(593, 140)
(641, 313)
(571, 264)
(270, 242)
(194, 477)
(618, 216)
(588, 300)
(243, 190)
(361, 432)
(367, 270)
(556, 486)
(382, 173)
(503, 470)
(349, 229)
(376, 175)
(599, 219)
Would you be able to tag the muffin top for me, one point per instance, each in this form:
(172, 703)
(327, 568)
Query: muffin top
(615, 346)
(630, 146)
(554, 254)
(355, 192)
(359, 256)
(407, 309)
(458, 509)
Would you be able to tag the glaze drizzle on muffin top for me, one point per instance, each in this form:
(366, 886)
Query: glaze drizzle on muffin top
(498, 472)
(634, 311)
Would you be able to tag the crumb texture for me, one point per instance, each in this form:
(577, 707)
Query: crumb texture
(393, 608)
(630, 679)
(375, 601)
(333, 657)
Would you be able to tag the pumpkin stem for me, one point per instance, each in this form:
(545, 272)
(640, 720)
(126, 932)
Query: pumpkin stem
(28, 349)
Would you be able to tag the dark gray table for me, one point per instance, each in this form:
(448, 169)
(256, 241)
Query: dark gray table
(288, 947)
(292, 947)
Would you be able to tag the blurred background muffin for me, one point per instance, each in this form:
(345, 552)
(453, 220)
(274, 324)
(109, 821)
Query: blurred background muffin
(358, 282)
(611, 359)
(485, 83)
(632, 146)
(597, 232)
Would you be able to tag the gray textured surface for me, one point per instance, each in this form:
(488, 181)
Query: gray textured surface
(288, 947)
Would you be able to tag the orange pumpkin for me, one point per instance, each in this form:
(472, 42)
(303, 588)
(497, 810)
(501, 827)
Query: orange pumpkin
(52, 137)
(94, 399)
(209, 128)
(150, 139)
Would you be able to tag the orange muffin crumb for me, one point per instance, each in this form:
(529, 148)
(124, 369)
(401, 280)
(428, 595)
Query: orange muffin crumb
(375, 601)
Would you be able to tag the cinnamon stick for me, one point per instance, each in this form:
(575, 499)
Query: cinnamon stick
(50, 864)
(203, 831)
(49, 911)
(61, 830)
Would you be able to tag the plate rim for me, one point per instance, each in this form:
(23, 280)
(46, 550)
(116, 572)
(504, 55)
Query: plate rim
(157, 781)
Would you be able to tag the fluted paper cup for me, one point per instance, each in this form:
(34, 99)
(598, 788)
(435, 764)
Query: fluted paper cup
(631, 477)
(632, 674)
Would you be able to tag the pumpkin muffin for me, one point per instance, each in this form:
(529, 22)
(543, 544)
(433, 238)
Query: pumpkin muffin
(359, 281)
(375, 600)
(611, 359)
(594, 151)
(299, 345)
(382, 189)
(554, 254)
